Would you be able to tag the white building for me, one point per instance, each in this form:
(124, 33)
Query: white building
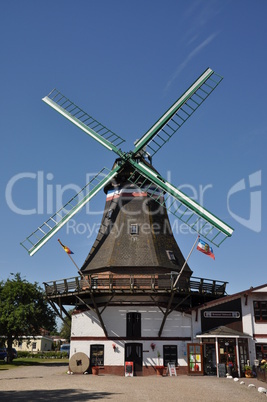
(34, 344)
(132, 336)
(232, 330)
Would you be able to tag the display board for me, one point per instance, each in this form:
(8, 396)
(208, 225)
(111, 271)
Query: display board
(128, 369)
(222, 370)
(172, 369)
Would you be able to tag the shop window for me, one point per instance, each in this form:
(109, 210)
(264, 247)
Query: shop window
(194, 356)
(133, 328)
(260, 311)
(134, 229)
(169, 354)
(261, 351)
(97, 355)
(227, 353)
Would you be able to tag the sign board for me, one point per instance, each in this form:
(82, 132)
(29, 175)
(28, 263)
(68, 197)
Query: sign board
(222, 370)
(171, 369)
(221, 314)
(128, 369)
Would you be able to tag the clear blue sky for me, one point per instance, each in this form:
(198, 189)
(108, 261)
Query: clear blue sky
(125, 63)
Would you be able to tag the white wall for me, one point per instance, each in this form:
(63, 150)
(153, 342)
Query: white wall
(86, 324)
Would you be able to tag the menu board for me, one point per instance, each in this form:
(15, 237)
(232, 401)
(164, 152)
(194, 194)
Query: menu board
(222, 370)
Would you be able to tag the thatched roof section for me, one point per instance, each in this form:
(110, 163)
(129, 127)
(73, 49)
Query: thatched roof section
(116, 249)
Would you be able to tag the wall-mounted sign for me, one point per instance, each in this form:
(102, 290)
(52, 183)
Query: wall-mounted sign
(221, 314)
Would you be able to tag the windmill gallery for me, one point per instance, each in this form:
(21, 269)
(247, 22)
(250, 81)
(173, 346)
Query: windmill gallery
(135, 296)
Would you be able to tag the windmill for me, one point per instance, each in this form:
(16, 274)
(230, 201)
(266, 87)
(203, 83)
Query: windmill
(135, 166)
(135, 287)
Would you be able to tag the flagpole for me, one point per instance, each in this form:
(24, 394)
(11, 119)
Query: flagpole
(64, 248)
(78, 269)
(183, 267)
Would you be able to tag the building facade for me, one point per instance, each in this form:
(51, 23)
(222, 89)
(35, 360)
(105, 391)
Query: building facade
(232, 331)
(132, 336)
(34, 344)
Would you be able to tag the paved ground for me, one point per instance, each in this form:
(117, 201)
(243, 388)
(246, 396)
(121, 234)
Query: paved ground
(51, 383)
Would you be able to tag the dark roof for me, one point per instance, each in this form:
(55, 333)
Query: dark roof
(115, 246)
(223, 331)
(230, 297)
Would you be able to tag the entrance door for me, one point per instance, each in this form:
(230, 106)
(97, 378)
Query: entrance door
(134, 353)
(243, 354)
(209, 359)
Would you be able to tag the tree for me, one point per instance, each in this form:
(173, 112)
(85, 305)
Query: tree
(23, 311)
(65, 328)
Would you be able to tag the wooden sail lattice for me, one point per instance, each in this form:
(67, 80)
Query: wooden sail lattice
(177, 206)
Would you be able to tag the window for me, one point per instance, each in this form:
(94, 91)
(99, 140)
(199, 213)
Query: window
(171, 255)
(34, 345)
(169, 354)
(260, 310)
(133, 326)
(94, 282)
(110, 212)
(97, 355)
(261, 351)
(134, 229)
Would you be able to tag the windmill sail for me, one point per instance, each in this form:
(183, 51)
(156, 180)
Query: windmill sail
(187, 210)
(80, 118)
(180, 205)
(44, 232)
(178, 113)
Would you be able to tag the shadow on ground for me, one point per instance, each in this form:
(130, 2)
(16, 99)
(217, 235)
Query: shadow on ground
(55, 395)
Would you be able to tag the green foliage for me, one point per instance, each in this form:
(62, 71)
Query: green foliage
(23, 310)
(263, 366)
(65, 328)
(42, 355)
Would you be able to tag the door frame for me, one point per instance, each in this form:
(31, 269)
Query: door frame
(134, 344)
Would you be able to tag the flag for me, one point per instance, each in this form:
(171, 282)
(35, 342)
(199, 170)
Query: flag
(68, 251)
(205, 248)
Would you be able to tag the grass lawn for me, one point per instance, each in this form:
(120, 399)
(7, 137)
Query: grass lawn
(30, 362)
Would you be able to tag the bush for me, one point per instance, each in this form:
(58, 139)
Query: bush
(43, 355)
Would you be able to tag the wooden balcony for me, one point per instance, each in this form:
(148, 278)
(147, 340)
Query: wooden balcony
(133, 284)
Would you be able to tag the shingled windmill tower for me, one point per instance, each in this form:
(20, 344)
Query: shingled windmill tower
(129, 304)
(135, 235)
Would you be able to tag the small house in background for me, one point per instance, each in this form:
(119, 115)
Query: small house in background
(35, 344)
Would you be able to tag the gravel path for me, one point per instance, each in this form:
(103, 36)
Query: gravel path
(51, 383)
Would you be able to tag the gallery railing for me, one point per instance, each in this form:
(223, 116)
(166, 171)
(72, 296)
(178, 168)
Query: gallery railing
(134, 283)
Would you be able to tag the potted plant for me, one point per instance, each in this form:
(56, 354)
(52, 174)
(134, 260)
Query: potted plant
(95, 370)
(159, 369)
(248, 372)
(153, 345)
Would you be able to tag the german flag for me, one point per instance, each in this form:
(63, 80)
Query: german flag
(68, 251)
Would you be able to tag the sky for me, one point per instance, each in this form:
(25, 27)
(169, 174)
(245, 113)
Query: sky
(126, 63)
